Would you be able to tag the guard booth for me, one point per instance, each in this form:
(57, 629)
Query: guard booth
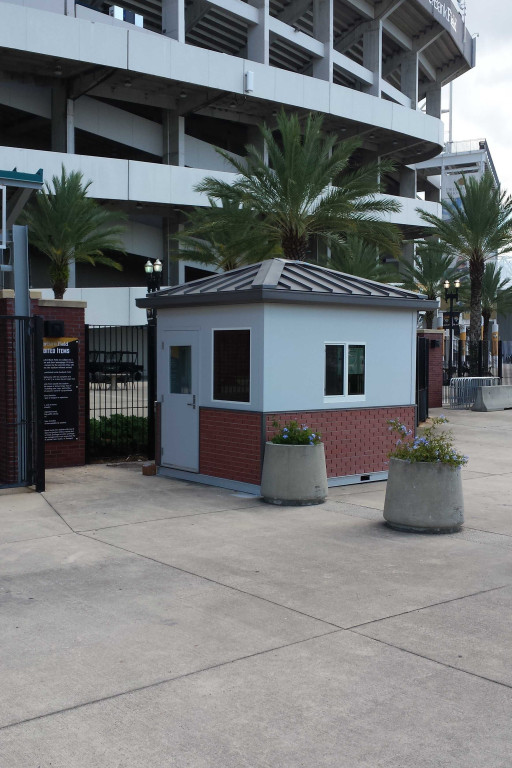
(279, 341)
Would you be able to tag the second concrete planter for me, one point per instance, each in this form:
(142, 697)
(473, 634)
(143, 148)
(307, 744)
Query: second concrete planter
(294, 475)
(424, 496)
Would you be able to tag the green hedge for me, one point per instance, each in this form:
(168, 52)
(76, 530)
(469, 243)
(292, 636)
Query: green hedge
(118, 435)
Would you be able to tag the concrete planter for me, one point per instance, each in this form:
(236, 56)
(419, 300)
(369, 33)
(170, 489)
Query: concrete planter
(424, 497)
(294, 475)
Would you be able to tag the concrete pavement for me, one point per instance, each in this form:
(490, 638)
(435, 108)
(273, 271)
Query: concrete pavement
(147, 622)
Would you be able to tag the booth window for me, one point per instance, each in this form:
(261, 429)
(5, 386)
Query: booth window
(180, 370)
(344, 370)
(334, 369)
(232, 365)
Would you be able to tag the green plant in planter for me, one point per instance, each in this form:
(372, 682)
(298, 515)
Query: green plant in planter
(292, 434)
(432, 446)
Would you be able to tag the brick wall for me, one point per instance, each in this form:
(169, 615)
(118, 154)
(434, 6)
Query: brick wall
(8, 432)
(435, 368)
(356, 441)
(230, 444)
(67, 453)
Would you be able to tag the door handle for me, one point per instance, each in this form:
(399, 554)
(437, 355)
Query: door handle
(193, 403)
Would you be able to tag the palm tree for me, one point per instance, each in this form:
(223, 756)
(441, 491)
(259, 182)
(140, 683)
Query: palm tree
(478, 227)
(496, 295)
(431, 267)
(225, 245)
(307, 189)
(66, 225)
(359, 258)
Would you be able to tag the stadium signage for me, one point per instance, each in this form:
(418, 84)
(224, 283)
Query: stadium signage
(448, 12)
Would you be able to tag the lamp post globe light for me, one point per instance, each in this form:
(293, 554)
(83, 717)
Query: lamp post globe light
(153, 272)
(451, 296)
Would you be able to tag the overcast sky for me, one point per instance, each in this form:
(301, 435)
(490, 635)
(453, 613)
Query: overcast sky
(482, 98)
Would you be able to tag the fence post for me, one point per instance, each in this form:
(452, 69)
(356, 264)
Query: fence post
(151, 382)
(38, 401)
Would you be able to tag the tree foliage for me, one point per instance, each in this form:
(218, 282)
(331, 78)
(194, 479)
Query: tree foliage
(477, 226)
(431, 267)
(66, 225)
(307, 188)
(362, 259)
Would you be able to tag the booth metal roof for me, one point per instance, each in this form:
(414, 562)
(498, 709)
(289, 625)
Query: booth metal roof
(280, 280)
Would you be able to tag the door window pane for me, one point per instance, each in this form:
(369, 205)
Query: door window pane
(232, 365)
(356, 369)
(180, 366)
(334, 369)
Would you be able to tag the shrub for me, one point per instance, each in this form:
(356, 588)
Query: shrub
(432, 446)
(118, 435)
(292, 434)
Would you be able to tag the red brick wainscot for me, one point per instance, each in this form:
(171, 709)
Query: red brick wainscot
(230, 444)
(435, 367)
(357, 441)
(67, 453)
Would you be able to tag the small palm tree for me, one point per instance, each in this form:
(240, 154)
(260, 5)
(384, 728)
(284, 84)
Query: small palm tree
(307, 189)
(478, 227)
(359, 258)
(496, 295)
(66, 225)
(223, 245)
(431, 267)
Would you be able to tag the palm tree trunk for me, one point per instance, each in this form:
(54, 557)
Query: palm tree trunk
(429, 318)
(476, 273)
(294, 246)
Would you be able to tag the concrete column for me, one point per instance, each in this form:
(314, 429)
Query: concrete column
(173, 19)
(408, 252)
(372, 55)
(407, 182)
(258, 35)
(255, 138)
(69, 7)
(323, 31)
(70, 126)
(433, 97)
(409, 78)
(59, 118)
(432, 193)
(173, 128)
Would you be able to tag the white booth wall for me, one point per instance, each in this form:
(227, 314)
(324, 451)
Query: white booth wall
(288, 352)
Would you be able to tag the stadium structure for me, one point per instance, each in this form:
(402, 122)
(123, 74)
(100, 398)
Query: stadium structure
(137, 97)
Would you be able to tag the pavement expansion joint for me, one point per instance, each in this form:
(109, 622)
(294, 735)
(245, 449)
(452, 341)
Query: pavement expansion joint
(355, 627)
(160, 519)
(57, 513)
(214, 581)
(166, 681)
(435, 661)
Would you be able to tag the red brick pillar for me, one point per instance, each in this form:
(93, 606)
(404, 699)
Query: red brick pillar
(67, 453)
(435, 367)
(8, 433)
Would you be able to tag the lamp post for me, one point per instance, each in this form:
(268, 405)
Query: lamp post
(451, 296)
(153, 270)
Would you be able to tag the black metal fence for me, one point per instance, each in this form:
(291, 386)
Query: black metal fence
(21, 402)
(117, 391)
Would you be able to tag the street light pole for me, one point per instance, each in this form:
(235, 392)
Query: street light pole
(451, 296)
(153, 272)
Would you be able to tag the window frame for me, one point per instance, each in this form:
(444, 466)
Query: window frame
(344, 397)
(239, 403)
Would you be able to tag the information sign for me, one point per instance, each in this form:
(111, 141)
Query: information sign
(60, 357)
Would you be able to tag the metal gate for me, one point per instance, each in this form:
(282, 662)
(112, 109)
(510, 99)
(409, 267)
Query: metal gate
(117, 392)
(21, 402)
(422, 352)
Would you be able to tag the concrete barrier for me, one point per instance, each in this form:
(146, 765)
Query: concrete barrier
(493, 398)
